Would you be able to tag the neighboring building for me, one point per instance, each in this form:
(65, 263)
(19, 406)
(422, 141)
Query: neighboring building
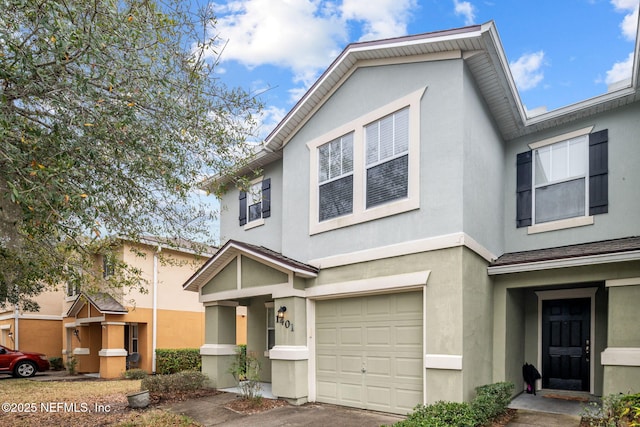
(101, 329)
(420, 236)
(39, 331)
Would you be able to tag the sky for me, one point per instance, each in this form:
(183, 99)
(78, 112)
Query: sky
(560, 51)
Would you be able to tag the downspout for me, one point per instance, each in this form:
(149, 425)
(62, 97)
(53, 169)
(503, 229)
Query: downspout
(154, 327)
(16, 329)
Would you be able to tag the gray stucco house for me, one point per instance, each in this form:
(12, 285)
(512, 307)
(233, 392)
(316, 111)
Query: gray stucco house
(420, 235)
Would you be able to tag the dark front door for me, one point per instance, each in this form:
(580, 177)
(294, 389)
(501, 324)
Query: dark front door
(566, 344)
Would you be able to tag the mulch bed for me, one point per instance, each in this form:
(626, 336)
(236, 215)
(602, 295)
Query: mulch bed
(248, 406)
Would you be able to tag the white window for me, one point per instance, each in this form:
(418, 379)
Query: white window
(133, 340)
(560, 180)
(271, 327)
(73, 289)
(367, 168)
(107, 266)
(335, 178)
(254, 202)
(387, 152)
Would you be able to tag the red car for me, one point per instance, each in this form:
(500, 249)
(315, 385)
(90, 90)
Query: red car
(22, 364)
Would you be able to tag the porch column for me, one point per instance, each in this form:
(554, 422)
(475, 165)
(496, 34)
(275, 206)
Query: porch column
(290, 355)
(621, 358)
(219, 349)
(113, 356)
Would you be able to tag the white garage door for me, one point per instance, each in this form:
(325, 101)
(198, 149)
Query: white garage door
(369, 352)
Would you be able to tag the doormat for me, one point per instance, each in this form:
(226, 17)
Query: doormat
(566, 397)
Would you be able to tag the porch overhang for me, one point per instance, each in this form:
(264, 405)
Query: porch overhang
(101, 301)
(234, 248)
(602, 252)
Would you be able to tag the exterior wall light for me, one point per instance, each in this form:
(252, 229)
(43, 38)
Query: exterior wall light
(280, 315)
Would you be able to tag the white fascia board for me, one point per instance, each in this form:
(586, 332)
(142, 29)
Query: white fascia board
(369, 286)
(621, 356)
(281, 290)
(443, 361)
(112, 352)
(289, 352)
(405, 248)
(563, 263)
(218, 350)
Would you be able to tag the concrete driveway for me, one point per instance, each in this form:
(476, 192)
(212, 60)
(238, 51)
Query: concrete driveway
(211, 411)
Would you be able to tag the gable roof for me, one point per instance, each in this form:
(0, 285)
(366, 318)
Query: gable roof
(233, 248)
(625, 249)
(102, 301)
(480, 47)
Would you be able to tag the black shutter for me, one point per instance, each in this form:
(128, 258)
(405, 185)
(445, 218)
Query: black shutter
(598, 172)
(523, 189)
(243, 208)
(266, 198)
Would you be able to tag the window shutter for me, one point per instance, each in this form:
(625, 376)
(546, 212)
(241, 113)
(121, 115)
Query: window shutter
(523, 189)
(266, 198)
(598, 172)
(243, 208)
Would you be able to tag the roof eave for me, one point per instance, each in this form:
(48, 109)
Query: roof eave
(564, 263)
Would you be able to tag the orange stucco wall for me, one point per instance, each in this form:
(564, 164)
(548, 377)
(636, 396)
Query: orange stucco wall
(176, 329)
(42, 336)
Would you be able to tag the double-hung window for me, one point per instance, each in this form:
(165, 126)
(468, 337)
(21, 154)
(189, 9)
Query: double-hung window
(563, 181)
(255, 203)
(387, 153)
(335, 177)
(560, 180)
(367, 168)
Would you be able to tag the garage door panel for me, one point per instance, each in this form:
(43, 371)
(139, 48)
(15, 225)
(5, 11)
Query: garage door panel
(378, 335)
(349, 308)
(352, 394)
(378, 306)
(383, 335)
(350, 336)
(410, 335)
(350, 365)
(326, 363)
(378, 396)
(327, 391)
(326, 336)
(408, 368)
(379, 367)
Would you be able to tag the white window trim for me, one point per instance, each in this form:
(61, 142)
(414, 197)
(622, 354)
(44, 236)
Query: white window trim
(578, 221)
(256, 222)
(267, 306)
(360, 213)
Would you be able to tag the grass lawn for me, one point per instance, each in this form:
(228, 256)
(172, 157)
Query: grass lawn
(78, 403)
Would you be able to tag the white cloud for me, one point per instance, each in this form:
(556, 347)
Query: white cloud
(465, 9)
(380, 18)
(302, 35)
(270, 116)
(620, 70)
(629, 24)
(299, 35)
(527, 70)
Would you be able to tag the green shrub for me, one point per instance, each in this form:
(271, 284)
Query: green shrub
(135, 374)
(491, 401)
(440, 414)
(170, 361)
(56, 363)
(616, 410)
(181, 381)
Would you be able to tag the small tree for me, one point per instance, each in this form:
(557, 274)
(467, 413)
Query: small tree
(245, 369)
(111, 116)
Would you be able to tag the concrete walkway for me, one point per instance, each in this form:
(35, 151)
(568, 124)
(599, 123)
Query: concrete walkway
(549, 409)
